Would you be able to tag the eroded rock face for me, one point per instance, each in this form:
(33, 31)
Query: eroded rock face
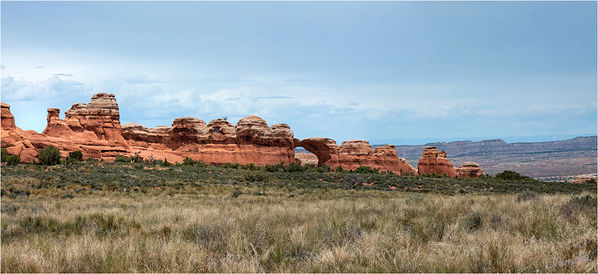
(13, 138)
(250, 141)
(435, 162)
(95, 129)
(142, 136)
(355, 153)
(97, 122)
(187, 130)
(221, 131)
(469, 170)
(8, 121)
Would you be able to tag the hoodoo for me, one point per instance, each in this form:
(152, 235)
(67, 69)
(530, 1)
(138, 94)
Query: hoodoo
(94, 128)
(469, 170)
(435, 162)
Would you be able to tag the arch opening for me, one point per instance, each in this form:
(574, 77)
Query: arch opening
(306, 157)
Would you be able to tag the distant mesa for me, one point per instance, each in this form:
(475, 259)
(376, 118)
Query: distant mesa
(94, 129)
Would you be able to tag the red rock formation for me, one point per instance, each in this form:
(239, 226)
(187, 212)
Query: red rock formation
(355, 153)
(13, 138)
(220, 131)
(95, 129)
(469, 170)
(435, 162)
(97, 121)
(325, 149)
(138, 135)
(250, 141)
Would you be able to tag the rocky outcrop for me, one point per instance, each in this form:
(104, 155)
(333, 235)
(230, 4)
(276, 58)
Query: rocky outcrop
(8, 121)
(94, 128)
(355, 153)
(221, 131)
(435, 162)
(13, 138)
(469, 170)
(99, 120)
(138, 135)
(250, 141)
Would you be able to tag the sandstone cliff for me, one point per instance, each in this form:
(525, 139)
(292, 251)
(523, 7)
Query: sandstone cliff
(94, 128)
(355, 153)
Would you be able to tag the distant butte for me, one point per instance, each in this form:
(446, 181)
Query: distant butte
(95, 130)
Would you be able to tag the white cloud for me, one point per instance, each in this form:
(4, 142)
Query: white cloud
(51, 88)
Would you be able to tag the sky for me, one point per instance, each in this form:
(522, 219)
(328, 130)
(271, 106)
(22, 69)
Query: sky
(387, 72)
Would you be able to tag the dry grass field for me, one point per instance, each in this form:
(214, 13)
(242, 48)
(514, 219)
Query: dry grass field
(257, 227)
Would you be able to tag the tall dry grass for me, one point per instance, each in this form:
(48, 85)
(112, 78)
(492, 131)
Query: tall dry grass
(342, 232)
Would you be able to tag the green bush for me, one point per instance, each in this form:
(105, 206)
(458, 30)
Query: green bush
(136, 159)
(166, 163)
(323, 168)
(339, 169)
(75, 156)
(273, 168)
(50, 155)
(188, 161)
(13, 160)
(250, 166)
(294, 167)
(255, 176)
(366, 169)
(510, 175)
(90, 161)
(231, 165)
(4, 154)
(122, 159)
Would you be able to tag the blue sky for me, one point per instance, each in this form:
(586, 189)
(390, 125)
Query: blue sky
(399, 72)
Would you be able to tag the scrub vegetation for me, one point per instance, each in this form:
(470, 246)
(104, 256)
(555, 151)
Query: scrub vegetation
(135, 216)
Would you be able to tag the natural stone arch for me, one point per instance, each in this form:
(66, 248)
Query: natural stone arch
(325, 149)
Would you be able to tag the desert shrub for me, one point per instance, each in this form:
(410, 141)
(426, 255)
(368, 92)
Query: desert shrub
(323, 168)
(366, 169)
(166, 163)
(4, 154)
(122, 159)
(294, 167)
(526, 196)
(255, 176)
(136, 159)
(354, 179)
(473, 221)
(90, 161)
(50, 155)
(13, 160)
(188, 161)
(496, 221)
(231, 165)
(431, 175)
(250, 166)
(577, 204)
(510, 175)
(206, 235)
(236, 193)
(339, 169)
(75, 156)
(273, 168)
